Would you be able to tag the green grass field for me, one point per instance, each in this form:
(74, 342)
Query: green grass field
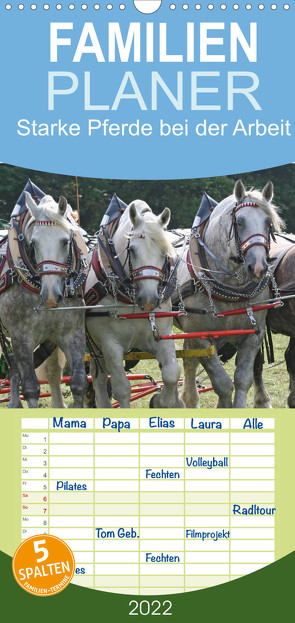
(275, 377)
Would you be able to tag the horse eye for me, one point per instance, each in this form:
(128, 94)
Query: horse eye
(240, 222)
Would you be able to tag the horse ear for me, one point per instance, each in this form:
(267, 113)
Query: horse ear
(31, 204)
(239, 190)
(164, 218)
(268, 191)
(135, 218)
(62, 205)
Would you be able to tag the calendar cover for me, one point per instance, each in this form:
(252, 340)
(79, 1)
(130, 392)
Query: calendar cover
(147, 264)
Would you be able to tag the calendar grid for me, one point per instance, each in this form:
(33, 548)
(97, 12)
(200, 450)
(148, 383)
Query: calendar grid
(93, 510)
(184, 515)
(139, 516)
(122, 493)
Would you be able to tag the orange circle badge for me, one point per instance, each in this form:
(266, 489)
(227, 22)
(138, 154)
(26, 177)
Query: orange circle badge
(43, 565)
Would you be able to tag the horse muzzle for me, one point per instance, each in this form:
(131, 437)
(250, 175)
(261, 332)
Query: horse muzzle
(148, 304)
(256, 263)
(50, 294)
(256, 267)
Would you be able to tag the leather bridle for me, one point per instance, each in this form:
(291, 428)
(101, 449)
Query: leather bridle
(254, 240)
(162, 275)
(75, 270)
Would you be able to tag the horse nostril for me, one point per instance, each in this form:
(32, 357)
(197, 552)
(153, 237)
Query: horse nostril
(139, 302)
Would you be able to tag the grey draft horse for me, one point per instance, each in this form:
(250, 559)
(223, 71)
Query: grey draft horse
(49, 234)
(142, 247)
(238, 235)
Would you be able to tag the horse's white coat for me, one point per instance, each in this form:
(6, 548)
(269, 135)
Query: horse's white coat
(149, 244)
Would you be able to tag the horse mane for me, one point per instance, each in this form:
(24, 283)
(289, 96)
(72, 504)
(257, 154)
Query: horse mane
(270, 208)
(48, 209)
(151, 229)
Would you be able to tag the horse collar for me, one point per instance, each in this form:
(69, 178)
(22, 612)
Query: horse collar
(75, 270)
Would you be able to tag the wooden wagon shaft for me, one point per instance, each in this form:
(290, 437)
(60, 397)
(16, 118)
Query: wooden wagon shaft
(180, 354)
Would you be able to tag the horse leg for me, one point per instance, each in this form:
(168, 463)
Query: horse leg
(221, 381)
(290, 361)
(243, 377)
(261, 397)
(168, 397)
(219, 378)
(14, 379)
(25, 363)
(99, 381)
(53, 367)
(74, 350)
(190, 394)
(113, 354)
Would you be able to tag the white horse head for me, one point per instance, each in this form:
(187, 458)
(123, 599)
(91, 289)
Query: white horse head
(253, 216)
(50, 240)
(148, 248)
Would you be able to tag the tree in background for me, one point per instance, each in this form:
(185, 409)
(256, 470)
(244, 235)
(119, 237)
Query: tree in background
(181, 196)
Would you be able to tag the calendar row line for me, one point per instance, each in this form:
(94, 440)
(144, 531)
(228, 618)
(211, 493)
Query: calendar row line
(245, 437)
(123, 424)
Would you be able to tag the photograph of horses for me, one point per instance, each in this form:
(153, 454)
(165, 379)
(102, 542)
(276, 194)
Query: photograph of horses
(160, 294)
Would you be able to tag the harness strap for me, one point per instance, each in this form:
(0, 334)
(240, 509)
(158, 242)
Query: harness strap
(255, 240)
(4, 347)
(6, 280)
(17, 257)
(269, 343)
(51, 267)
(202, 244)
(107, 249)
(103, 285)
(42, 352)
(147, 272)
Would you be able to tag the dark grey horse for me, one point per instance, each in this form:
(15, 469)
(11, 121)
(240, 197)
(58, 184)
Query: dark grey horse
(49, 234)
(281, 320)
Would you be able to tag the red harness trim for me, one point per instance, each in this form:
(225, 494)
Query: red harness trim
(246, 205)
(140, 277)
(264, 242)
(189, 265)
(2, 265)
(51, 272)
(97, 266)
(4, 286)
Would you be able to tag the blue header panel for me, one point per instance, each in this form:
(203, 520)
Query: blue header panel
(111, 90)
